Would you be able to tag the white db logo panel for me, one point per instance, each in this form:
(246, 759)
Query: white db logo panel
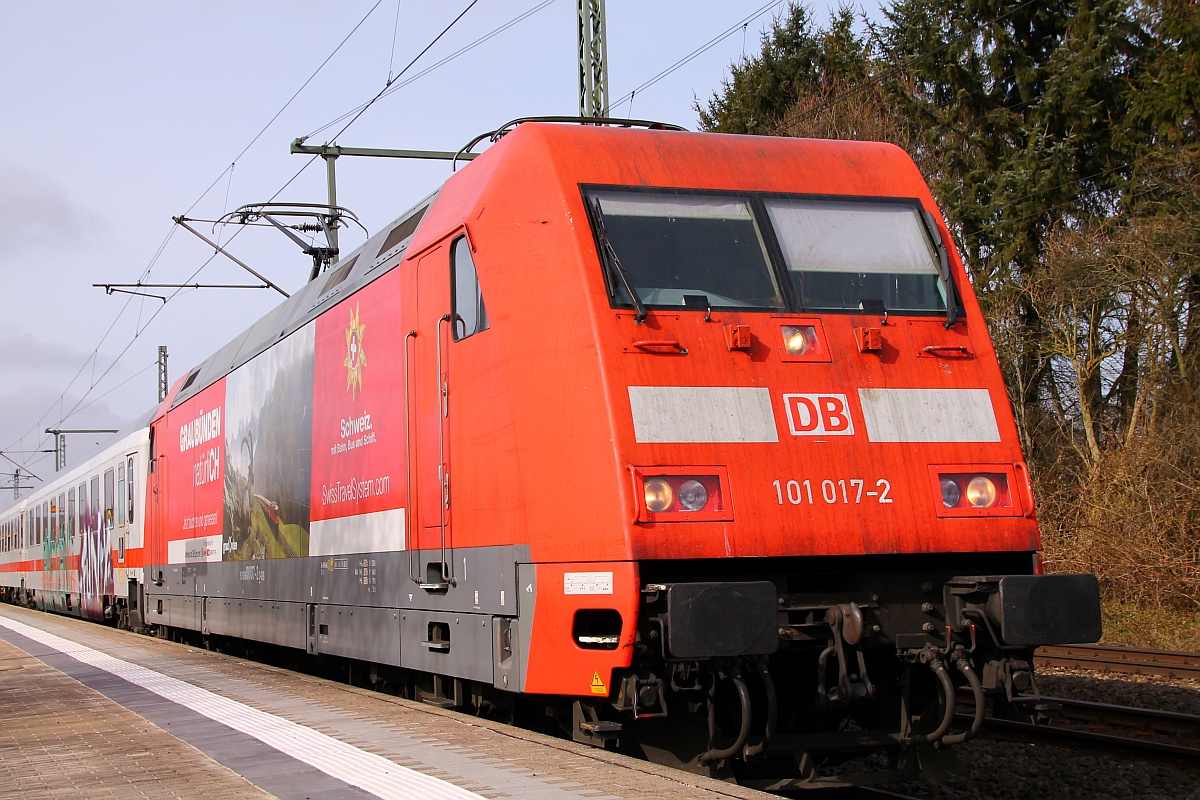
(818, 415)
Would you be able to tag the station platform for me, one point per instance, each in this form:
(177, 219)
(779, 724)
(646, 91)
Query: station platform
(90, 712)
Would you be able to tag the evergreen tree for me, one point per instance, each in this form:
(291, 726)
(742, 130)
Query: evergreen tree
(1061, 140)
(796, 59)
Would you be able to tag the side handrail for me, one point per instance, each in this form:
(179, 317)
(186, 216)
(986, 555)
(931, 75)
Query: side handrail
(408, 471)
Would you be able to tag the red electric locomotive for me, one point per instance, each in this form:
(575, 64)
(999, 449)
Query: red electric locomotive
(699, 439)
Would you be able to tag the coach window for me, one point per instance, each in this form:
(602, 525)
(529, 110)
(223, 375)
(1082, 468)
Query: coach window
(130, 490)
(108, 500)
(470, 317)
(121, 495)
(93, 513)
(62, 517)
(71, 519)
(82, 508)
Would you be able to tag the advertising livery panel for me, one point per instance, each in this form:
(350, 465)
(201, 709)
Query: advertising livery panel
(268, 452)
(358, 424)
(193, 467)
(298, 452)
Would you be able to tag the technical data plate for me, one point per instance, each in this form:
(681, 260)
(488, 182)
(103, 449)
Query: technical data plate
(94, 711)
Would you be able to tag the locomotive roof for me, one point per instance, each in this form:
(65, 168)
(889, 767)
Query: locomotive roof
(381, 253)
(590, 153)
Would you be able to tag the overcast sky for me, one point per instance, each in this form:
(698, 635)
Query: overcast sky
(117, 116)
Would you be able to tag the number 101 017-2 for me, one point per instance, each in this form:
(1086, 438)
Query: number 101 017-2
(847, 491)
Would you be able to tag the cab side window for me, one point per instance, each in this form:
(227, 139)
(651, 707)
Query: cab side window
(470, 316)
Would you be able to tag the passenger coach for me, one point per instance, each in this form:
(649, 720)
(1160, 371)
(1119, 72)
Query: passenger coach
(75, 545)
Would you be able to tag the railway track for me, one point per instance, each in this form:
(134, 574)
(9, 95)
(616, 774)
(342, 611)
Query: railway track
(1128, 660)
(1094, 740)
(1165, 735)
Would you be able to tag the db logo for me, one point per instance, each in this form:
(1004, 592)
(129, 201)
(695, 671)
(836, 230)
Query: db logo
(818, 415)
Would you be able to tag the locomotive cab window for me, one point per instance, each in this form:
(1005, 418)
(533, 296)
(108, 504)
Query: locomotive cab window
(470, 316)
(846, 255)
(678, 249)
(758, 252)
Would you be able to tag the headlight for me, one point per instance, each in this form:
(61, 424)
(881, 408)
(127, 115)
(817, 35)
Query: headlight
(981, 492)
(951, 494)
(681, 494)
(658, 494)
(975, 490)
(692, 495)
(798, 338)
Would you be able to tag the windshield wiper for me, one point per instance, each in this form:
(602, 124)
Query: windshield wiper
(944, 263)
(609, 256)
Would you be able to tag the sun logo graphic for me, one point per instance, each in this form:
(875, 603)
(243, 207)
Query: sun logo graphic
(356, 357)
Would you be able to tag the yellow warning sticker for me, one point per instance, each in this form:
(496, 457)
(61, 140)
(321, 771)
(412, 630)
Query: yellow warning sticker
(598, 686)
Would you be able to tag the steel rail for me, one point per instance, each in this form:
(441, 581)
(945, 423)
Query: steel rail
(1074, 738)
(1099, 736)
(1127, 660)
(1170, 723)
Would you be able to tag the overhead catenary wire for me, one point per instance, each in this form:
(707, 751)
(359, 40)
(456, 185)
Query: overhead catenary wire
(140, 329)
(710, 44)
(387, 84)
(397, 84)
(393, 84)
(296, 94)
(170, 233)
(395, 34)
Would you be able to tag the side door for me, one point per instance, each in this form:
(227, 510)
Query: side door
(444, 304)
(426, 303)
(154, 520)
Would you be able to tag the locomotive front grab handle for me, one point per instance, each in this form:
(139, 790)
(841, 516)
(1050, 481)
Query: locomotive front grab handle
(956, 349)
(652, 345)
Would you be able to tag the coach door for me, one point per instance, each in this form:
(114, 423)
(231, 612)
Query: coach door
(426, 300)
(153, 537)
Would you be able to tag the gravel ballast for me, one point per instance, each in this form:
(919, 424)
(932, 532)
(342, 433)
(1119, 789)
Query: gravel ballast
(1003, 770)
